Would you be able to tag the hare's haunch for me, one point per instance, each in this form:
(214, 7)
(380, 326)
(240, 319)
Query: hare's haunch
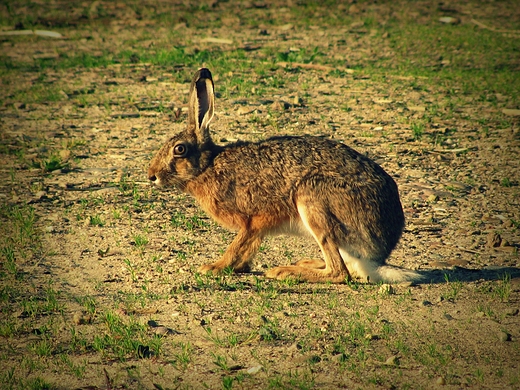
(299, 185)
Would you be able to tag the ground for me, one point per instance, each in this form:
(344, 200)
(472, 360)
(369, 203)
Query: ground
(99, 288)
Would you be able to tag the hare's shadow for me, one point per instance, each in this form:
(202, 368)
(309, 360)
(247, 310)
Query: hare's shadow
(454, 274)
(467, 275)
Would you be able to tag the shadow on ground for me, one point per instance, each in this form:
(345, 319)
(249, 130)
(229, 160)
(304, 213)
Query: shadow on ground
(468, 275)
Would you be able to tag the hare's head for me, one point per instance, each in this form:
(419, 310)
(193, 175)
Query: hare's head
(186, 154)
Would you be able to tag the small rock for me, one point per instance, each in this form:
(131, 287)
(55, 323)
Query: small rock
(440, 381)
(449, 20)
(392, 361)
(280, 106)
(40, 194)
(253, 370)
(297, 101)
(81, 318)
(386, 289)
(426, 303)
(65, 154)
(432, 198)
(505, 243)
(493, 240)
(504, 336)
(511, 111)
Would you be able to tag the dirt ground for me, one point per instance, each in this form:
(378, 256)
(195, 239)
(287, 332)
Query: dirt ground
(102, 293)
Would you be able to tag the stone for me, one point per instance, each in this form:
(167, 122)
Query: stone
(504, 336)
(440, 381)
(392, 361)
(493, 240)
(386, 289)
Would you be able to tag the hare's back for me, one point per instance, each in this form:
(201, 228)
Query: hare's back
(329, 158)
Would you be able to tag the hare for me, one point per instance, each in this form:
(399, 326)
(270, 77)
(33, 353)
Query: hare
(287, 184)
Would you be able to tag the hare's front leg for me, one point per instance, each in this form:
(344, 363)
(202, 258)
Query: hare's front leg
(238, 254)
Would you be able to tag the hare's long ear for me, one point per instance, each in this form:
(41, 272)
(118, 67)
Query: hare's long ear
(201, 105)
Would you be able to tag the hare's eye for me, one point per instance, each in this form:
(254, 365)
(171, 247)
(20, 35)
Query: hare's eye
(180, 150)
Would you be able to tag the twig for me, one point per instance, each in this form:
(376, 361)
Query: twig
(469, 250)
(313, 66)
(486, 27)
(108, 381)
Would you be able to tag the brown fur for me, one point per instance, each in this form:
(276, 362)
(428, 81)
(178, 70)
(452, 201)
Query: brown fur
(301, 185)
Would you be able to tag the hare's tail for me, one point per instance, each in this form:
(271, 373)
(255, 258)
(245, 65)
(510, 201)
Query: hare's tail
(374, 272)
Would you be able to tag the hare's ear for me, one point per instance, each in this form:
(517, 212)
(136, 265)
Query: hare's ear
(201, 105)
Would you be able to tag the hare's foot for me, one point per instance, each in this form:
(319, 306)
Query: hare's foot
(305, 274)
(311, 263)
(209, 269)
(218, 268)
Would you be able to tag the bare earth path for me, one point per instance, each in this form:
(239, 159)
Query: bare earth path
(98, 288)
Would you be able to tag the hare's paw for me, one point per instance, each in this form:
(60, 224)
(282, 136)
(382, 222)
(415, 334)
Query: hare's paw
(311, 263)
(210, 269)
(282, 273)
(313, 275)
(219, 268)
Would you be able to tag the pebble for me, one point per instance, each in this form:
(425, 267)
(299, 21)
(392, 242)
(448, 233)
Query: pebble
(386, 289)
(432, 198)
(297, 101)
(40, 194)
(504, 336)
(493, 240)
(80, 318)
(440, 381)
(392, 361)
(449, 20)
(253, 370)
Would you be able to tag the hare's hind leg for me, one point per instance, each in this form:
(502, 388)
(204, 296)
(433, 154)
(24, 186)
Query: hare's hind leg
(311, 263)
(333, 269)
(238, 254)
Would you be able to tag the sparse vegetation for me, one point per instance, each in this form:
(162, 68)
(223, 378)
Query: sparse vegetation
(97, 270)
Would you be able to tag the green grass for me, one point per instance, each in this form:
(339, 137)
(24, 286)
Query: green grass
(480, 61)
(243, 315)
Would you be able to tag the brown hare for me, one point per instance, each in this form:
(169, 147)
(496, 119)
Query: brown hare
(299, 185)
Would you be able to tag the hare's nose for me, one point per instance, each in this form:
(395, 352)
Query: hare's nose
(152, 177)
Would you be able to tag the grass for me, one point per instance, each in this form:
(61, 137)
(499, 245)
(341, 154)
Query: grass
(247, 319)
(179, 219)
